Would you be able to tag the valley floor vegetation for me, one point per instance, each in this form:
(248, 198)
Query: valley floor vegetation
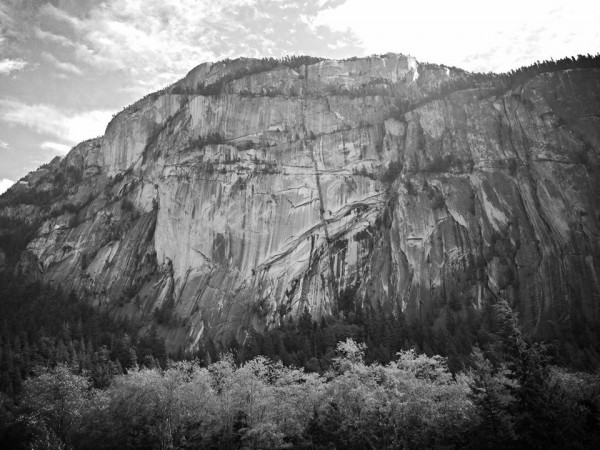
(508, 396)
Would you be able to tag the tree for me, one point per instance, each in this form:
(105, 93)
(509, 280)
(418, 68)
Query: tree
(528, 368)
(351, 353)
(58, 398)
(305, 323)
(491, 393)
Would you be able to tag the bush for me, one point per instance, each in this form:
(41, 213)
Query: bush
(210, 138)
(441, 163)
(392, 173)
(127, 205)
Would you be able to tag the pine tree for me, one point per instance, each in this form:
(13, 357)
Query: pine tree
(491, 392)
(305, 323)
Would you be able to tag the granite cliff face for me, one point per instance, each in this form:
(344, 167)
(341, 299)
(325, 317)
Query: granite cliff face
(239, 197)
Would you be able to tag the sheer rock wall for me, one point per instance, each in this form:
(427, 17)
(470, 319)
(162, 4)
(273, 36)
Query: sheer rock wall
(293, 187)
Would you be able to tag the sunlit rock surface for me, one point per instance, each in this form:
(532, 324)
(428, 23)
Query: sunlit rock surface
(292, 187)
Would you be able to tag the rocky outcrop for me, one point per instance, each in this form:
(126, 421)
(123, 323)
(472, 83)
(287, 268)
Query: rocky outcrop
(291, 187)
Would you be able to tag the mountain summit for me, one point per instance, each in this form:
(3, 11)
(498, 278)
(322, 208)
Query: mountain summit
(254, 190)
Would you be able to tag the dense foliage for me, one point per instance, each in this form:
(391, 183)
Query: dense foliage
(453, 332)
(492, 83)
(15, 234)
(57, 180)
(510, 398)
(43, 327)
(73, 377)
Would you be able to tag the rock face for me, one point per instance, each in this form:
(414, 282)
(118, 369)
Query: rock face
(295, 187)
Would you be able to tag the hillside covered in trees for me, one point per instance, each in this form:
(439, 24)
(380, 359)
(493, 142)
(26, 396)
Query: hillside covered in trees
(72, 378)
(510, 397)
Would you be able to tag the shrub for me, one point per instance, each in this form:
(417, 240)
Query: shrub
(210, 138)
(393, 171)
(127, 205)
(441, 163)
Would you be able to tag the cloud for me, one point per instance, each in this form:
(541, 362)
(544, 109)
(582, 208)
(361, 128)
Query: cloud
(464, 34)
(5, 183)
(55, 147)
(4, 145)
(51, 37)
(161, 40)
(11, 65)
(60, 65)
(69, 127)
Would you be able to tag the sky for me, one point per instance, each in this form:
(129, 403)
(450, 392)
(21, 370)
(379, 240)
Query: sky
(66, 66)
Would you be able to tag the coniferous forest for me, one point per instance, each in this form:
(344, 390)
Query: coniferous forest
(72, 377)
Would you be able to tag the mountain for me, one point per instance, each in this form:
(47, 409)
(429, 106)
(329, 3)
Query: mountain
(254, 190)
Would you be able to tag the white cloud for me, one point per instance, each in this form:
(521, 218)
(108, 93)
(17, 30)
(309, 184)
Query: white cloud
(464, 33)
(161, 40)
(60, 65)
(4, 145)
(146, 39)
(59, 15)
(5, 183)
(55, 147)
(43, 35)
(69, 127)
(11, 65)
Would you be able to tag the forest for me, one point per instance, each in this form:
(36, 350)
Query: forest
(73, 378)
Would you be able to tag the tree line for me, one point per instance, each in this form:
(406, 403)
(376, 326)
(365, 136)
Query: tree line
(43, 327)
(73, 377)
(511, 397)
(251, 67)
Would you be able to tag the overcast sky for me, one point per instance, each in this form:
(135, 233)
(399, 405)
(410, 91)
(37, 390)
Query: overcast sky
(67, 65)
